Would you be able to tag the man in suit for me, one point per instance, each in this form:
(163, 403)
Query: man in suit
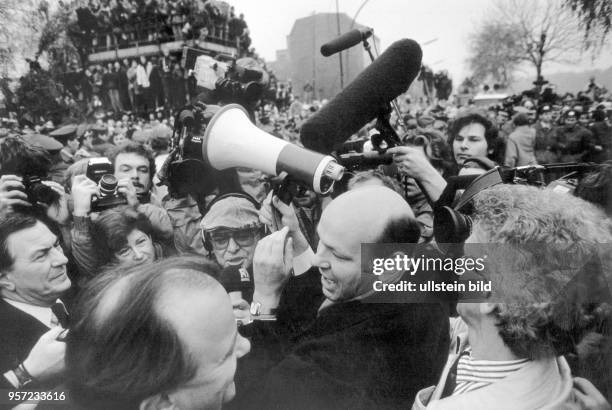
(32, 317)
(351, 352)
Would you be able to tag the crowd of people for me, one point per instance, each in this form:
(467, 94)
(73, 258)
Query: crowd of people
(139, 86)
(123, 23)
(118, 292)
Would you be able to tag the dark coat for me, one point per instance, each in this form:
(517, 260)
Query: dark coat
(574, 143)
(355, 355)
(19, 333)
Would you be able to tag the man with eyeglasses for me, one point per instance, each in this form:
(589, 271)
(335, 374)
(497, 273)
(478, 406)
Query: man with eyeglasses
(231, 230)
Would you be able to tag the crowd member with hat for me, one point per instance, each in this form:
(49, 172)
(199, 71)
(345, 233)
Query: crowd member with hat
(599, 146)
(231, 229)
(546, 145)
(53, 148)
(47, 127)
(67, 135)
(573, 138)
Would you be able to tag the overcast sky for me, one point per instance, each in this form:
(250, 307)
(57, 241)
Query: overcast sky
(450, 21)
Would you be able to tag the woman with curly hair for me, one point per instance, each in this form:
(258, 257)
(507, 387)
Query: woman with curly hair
(547, 314)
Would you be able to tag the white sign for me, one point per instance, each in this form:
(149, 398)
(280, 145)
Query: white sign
(207, 70)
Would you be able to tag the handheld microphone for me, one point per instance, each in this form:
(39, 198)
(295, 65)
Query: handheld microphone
(346, 40)
(238, 279)
(364, 98)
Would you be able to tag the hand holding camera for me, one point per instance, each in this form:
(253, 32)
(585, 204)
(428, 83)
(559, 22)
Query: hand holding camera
(83, 189)
(100, 171)
(58, 210)
(27, 191)
(12, 192)
(126, 188)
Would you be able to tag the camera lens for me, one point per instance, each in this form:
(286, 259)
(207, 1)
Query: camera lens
(108, 185)
(253, 91)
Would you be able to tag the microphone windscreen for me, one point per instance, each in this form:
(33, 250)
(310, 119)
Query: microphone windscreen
(236, 279)
(347, 40)
(364, 98)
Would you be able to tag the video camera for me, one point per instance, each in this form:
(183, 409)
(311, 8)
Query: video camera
(184, 171)
(100, 170)
(242, 85)
(241, 81)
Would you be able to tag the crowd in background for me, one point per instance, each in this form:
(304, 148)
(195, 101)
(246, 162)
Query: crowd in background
(150, 330)
(123, 23)
(138, 86)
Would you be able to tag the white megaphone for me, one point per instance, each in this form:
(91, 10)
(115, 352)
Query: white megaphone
(231, 140)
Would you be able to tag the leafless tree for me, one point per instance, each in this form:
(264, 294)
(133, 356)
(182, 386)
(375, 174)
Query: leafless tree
(538, 32)
(494, 53)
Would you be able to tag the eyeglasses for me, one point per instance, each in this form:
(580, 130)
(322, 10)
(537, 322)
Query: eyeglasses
(243, 237)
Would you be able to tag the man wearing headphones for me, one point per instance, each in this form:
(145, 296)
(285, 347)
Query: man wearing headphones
(231, 229)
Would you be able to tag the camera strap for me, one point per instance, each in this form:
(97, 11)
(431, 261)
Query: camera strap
(484, 181)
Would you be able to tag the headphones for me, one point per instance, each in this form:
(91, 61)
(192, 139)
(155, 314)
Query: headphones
(206, 237)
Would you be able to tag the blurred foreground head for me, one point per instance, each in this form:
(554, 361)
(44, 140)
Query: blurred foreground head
(157, 336)
(548, 260)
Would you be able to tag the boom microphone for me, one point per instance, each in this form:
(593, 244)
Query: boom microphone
(347, 40)
(365, 98)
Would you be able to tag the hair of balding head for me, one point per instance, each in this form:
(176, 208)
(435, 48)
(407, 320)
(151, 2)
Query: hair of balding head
(384, 210)
(111, 359)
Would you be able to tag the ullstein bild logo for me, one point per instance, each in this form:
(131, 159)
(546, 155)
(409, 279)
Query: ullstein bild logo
(501, 273)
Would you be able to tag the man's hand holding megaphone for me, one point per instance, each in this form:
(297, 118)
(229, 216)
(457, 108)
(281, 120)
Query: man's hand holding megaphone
(271, 205)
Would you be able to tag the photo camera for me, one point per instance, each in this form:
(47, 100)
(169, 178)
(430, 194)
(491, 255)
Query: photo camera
(100, 170)
(38, 192)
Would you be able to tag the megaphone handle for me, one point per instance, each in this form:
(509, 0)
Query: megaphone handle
(285, 194)
(277, 218)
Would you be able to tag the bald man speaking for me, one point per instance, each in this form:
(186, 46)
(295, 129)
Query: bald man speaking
(351, 353)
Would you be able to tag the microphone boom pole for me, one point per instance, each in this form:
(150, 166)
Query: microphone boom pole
(340, 53)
